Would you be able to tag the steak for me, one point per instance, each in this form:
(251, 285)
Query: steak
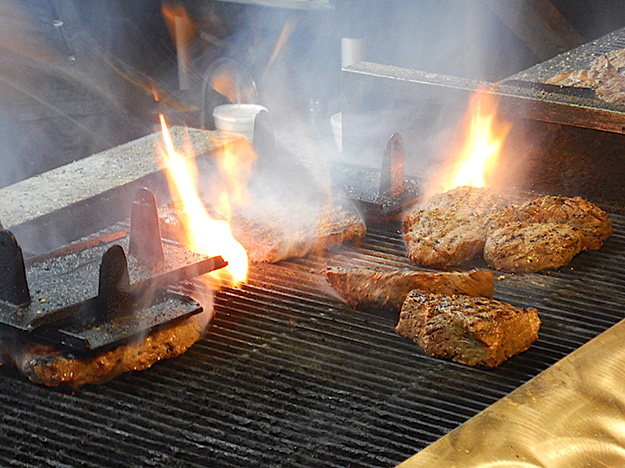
(602, 76)
(376, 289)
(520, 247)
(546, 232)
(450, 228)
(45, 364)
(270, 235)
(471, 330)
(592, 222)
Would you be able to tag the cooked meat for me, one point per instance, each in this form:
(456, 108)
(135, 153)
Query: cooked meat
(372, 288)
(450, 228)
(546, 232)
(270, 235)
(521, 247)
(470, 330)
(48, 365)
(617, 58)
(602, 76)
(592, 222)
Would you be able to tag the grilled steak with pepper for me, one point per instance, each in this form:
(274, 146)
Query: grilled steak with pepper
(450, 228)
(471, 330)
(520, 247)
(48, 365)
(546, 232)
(593, 223)
(603, 76)
(270, 235)
(373, 288)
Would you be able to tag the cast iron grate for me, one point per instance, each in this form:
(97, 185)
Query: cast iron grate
(288, 376)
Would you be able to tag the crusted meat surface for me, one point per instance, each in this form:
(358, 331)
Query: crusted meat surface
(546, 232)
(450, 228)
(48, 365)
(602, 76)
(270, 235)
(520, 247)
(592, 222)
(373, 288)
(470, 330)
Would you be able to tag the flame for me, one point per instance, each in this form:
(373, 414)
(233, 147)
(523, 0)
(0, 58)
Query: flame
(178, 22)
(204, 234)
(482, 145)
(224, 84)
(287, 31)
(235, 162)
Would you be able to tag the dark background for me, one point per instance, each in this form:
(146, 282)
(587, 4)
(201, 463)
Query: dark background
(64, 111)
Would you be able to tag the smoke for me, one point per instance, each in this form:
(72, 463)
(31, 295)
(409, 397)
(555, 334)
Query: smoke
(64, 87)
(294, 58)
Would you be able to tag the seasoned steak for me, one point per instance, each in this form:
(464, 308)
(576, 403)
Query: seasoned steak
(602, 76)
(48, 365)
(520, 247)
(471, 330)
(271, 235)
(592, 222)
(450, 228)
(373, 288)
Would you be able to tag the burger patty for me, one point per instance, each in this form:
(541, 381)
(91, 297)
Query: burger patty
(450, 228)
(373, 288)
(520, 247)
(471, 330)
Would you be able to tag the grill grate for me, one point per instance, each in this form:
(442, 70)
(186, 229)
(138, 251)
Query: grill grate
(288, 376)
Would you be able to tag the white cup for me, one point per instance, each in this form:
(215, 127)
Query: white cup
(237, 118)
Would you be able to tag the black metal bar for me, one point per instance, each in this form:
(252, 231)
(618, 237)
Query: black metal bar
(392, 176)
(114, 296)
(13, 284)
(372, 84)
(145, 232)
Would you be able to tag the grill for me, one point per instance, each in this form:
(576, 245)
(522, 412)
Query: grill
(287, 375)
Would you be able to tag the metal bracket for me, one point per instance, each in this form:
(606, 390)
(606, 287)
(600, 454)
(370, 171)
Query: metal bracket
(13, 284)
(392, 176)
(91, 295)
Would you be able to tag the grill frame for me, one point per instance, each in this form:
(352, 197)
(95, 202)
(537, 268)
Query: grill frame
(287, 375)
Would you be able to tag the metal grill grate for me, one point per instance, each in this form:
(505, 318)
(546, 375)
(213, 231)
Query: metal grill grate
(288, 376)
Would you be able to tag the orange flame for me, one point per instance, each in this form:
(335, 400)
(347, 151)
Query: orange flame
(235, 162)
(224, 84)
(287, 31)
(180, 26)
(481, 149)
(203, 233)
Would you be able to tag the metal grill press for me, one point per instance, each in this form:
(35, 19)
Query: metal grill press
(288, 376)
